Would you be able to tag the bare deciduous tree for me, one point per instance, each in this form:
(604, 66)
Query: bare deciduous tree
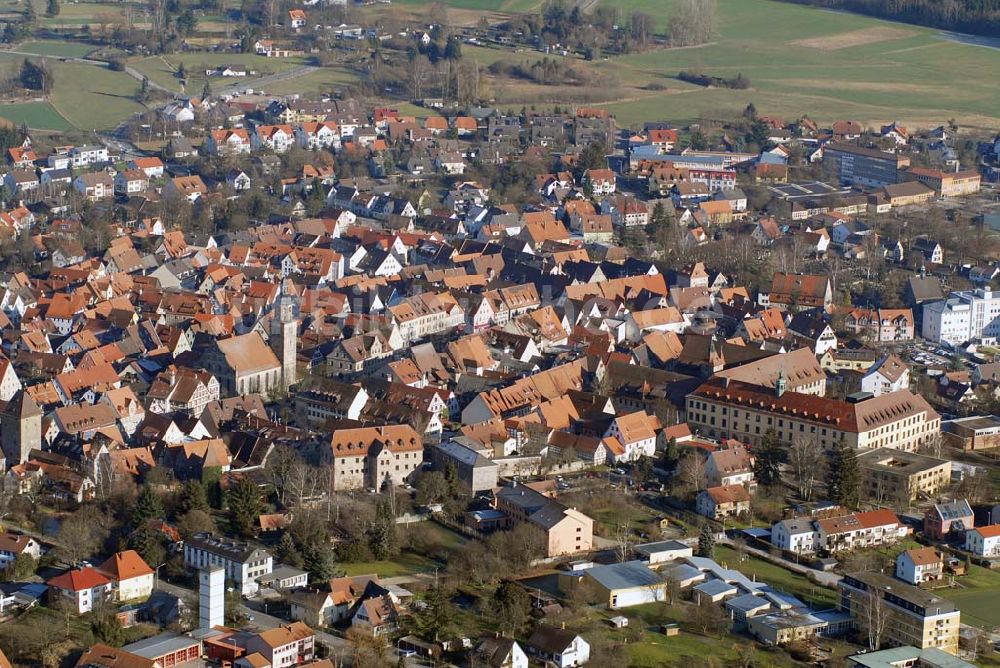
(691, 472)
(622, 533)
(873, 617)
(694, 22)
(806, 459)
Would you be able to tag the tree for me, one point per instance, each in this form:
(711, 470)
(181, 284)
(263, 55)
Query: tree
(706, 541)
(147, 507)
(195, 521)
(206, 90)
(805, 456)
(81, 534)
(693, 22)
(149, 544)
(843, 479)
(510, 607)
(766, 466)
(382, 538)
(873, 616)
(22, 568)
(193, 497)
(709, 617)
(691, 471)
(288, 552)
(52, 8)
(35, 76)
(431, 488)
(181, 71)
(107, 629)
(143, 94)
(243, 500)
(437, 617)
(30, 16)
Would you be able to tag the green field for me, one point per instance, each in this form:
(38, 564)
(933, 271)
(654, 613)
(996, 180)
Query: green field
(60, 49)
(38, 115)
(799, 60)
(976, 596)
(92, 97)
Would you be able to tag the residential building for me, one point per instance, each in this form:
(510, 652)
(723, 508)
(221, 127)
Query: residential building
(731, 465)
(893, 476)
(946, 184)
(132, 579)
(857, 165)
(724, 408)
(566, 530)
(860, 530)
(963, 316)
(368, 457)
(983, 541)
(287, 645)
(800, 290)
(718, 503)
(13, 545)
(85, 587)
(945, 519)
(912, 616)
(499, 653)
(919, 565)
(890, 374)
(562, 648)
(244, 563)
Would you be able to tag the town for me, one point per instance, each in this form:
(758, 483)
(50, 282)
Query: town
(397, 374)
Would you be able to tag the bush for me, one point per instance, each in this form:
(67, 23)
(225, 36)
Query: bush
(116, 64)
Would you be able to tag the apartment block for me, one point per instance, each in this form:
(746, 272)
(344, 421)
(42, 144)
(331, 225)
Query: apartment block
(912, 616)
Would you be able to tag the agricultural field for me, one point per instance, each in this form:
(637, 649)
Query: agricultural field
(56, 48)
(40, 115)
(92, 97)
(799, 60)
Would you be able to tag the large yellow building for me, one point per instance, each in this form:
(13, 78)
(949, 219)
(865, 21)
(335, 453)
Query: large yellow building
(906, 614)
(724, 408)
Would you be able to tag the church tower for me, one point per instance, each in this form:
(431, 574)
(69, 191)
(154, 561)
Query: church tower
(20, 429)
(285, 332)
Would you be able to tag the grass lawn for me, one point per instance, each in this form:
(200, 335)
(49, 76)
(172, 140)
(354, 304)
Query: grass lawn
(653, 649)
(61, 49)
(41, 115)
(93, 97)
(778, 577)
(409, 562)
(323, 80)
(976, 596)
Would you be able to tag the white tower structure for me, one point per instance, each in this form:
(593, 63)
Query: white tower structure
(285, 331)
(212, 597)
